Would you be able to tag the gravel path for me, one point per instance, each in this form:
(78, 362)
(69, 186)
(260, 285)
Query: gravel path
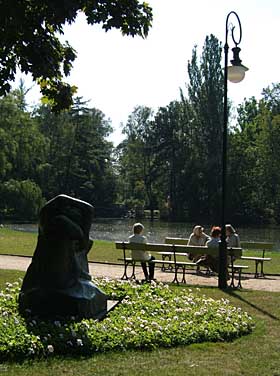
(269, 283)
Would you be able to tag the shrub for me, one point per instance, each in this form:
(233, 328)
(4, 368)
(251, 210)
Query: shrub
(148, 317)
(22, 199)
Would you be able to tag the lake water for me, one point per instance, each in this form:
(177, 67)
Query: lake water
(120, 229)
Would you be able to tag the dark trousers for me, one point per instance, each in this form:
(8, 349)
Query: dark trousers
(151, 274)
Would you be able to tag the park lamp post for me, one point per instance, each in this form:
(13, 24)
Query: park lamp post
(234, 73)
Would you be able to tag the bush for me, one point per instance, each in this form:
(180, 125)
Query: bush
(148, 317)
(21, 199)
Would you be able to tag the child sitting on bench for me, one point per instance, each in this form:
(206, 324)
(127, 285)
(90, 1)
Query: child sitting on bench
(142, 256)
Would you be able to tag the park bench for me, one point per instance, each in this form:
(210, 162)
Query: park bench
(175, 249)
(259, 260)
(233, 268)
(258, 246)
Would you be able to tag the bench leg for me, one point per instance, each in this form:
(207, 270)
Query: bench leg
(232, 278)
(239, 279)
(232, 285)
(133, 271)
(184, 274)
(256, 272)
(169, 267)
(125, 276)
(175, 280)
(261, 273)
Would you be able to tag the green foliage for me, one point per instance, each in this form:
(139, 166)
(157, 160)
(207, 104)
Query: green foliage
(172, 160)
(83, 166)
(176, 156)
(21, 199)
(254, 159)
(206, 99)
(149, 316)
(138, 169)
(45, 154)
(29, 39)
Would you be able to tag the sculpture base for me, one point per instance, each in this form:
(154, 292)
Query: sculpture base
(50, 303)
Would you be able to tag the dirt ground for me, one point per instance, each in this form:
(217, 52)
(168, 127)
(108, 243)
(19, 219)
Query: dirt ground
(269, 283)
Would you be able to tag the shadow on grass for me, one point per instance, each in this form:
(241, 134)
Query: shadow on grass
(235, 293)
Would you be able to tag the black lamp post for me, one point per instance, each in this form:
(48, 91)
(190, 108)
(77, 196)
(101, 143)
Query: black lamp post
(234, 73)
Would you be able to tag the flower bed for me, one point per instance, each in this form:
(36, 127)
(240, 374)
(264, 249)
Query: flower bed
(149, 316)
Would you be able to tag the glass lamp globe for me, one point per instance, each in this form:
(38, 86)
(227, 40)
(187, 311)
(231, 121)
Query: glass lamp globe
(236, 73)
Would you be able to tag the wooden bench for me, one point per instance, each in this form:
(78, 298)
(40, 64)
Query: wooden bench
(259, 260)
(175, 249)
(181, 241)
(155, 248)
(234, 268)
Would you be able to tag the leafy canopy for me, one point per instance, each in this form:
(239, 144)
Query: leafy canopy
(29, 31)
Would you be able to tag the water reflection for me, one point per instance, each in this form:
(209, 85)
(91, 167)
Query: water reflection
(120, 229)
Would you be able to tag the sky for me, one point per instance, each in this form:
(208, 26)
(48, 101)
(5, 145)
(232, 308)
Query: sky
(116, 73)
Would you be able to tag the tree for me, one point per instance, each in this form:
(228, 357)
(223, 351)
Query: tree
(21, 199)
(205, 91)
(137, 159)
(173, 158)
(22, 146)
(29, 38)
(254, 159)
(79, 156)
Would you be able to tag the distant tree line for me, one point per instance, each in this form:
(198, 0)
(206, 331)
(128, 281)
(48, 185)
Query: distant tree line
(170, 159)
(43, 154)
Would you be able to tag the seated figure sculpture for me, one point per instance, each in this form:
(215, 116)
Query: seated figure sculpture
(57, 282)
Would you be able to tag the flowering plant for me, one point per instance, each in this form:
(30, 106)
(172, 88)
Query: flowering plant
(149, 316)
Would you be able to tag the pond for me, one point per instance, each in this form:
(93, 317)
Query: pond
(120, 229)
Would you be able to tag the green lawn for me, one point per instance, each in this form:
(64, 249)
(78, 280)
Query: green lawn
(24, 243)
(251, 355)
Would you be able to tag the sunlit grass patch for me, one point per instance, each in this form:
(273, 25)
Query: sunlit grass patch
(150, 316)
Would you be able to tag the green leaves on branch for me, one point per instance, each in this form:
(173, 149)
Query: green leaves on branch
(29, 39)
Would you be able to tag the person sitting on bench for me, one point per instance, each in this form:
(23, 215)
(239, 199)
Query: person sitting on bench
(197, 238)
(233, 240)
(142, 256)
(208, 260)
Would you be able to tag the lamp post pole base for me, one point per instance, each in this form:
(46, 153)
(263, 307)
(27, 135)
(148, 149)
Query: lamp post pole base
(222, 284)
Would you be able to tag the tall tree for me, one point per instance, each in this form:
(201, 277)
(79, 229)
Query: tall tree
(205, 91)
(79, 159)
(22, 153)
(29, 38)
(137, 159)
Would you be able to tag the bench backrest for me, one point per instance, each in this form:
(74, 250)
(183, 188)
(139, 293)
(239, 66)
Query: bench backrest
(177, 248)
(183, 241)
(257, 245)
(262, 246)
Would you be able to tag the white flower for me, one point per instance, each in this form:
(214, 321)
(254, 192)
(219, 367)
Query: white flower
(50, 349)
(79, 342)
(86, 325)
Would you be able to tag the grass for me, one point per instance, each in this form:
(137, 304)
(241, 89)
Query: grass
(254, 354)
(24, 243)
